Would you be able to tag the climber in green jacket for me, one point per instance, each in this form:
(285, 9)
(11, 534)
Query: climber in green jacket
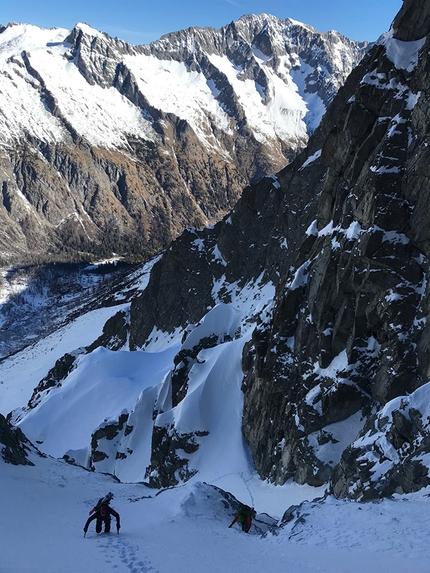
(244, 516)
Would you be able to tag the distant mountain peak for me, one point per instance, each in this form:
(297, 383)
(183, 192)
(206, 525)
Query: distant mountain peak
(196, 115)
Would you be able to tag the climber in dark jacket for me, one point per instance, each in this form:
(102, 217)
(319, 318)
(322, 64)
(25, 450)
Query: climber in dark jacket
(102, 513)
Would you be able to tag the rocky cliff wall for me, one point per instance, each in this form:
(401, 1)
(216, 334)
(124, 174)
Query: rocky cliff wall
(349, 331)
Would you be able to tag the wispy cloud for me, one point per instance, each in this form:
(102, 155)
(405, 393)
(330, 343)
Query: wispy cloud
(234, 3)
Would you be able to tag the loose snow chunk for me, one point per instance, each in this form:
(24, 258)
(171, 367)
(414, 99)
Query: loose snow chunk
(217, 256)
(338, 364)
(275, 183)
(222, 320)
(384, 169)
(353, 231)
(374, 79)
(394, 237)
(312, 229)
(335, 244)
(404, 55)
(198, 244)
(313, 399)
(412, 100)
(327, 230)
(300, 277)
(311, 159)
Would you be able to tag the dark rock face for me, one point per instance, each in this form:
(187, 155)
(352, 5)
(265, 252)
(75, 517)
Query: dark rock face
(349, 325)
(69, 191)
(411, 24)
(99, 201)
(389, 455)
(167, 468)
(258, 238)
(62, 368)
(14, 446)
(108, 432)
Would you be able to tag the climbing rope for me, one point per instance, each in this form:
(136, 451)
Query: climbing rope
(245, 481)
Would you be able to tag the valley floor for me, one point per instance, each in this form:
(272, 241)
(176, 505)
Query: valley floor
(185, 530)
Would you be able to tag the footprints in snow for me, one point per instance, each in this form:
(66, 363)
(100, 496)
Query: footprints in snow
(118, 548)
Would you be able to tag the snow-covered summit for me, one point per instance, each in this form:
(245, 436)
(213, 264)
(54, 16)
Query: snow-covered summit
(73, 66)
(91, 126)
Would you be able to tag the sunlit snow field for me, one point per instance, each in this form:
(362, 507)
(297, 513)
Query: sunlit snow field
(185, 530)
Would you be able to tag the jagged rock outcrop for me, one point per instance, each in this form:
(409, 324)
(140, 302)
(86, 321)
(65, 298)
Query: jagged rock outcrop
(62, 368)
(390, 454)
(108, 431)
(108, 147)
(167, 467)
(14, 446)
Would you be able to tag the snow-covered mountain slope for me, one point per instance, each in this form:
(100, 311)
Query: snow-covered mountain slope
(286, 70)
(109, 147)
(43, 56)
(37, 301)
(272, 325)
(329, 536)
(55, 310)
(120, 438)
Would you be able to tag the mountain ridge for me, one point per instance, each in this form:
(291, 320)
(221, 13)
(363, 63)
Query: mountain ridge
(109, 147)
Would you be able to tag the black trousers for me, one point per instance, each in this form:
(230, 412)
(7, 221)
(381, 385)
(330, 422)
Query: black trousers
(99, 524)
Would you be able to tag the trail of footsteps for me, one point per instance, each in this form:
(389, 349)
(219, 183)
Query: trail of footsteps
(116, 547)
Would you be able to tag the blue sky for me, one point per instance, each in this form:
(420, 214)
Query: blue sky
(142, 21)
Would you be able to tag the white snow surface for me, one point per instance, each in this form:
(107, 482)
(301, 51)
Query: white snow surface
(102, 116)
(35, 62)
(278, 113)
(404, 55)
(20, 373)
(104, 384)
(186, 529)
